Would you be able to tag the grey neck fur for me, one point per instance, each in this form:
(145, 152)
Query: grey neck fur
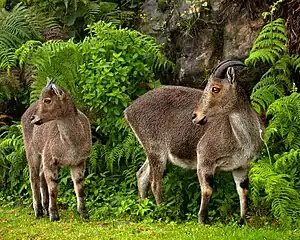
(66, 127)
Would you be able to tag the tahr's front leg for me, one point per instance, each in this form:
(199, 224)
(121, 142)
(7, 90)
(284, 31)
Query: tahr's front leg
(77, 173)
(34, 169)
(51, 176)
(44, 192)
(206, 183)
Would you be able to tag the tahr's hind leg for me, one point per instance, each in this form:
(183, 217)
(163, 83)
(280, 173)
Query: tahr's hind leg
(157, 164)
(143, 180)
(77, 173)
(241, 181)
(44, 192)
(34, 161)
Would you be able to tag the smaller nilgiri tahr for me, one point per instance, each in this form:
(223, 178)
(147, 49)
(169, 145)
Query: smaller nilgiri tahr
(55, 134)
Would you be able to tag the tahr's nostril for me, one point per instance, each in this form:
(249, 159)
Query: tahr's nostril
(194, 116)
(32, 117)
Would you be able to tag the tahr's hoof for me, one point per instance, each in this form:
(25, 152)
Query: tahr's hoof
(202, 220)
(242, 221)
(38, 210)
(84, 214)
(47, 212)
(54, 217)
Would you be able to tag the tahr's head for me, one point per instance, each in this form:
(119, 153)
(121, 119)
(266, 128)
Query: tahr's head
(220, 95)
(54, 103)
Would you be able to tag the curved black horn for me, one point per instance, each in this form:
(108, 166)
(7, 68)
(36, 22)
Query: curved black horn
(220, 70)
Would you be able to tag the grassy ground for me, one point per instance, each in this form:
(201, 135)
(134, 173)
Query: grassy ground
(19, 223)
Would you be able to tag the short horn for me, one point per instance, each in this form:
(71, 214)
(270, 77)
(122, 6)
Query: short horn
(49, 83)
(220, 70)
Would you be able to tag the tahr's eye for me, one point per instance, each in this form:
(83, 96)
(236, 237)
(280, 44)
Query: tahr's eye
(47, 100)
(215, 90)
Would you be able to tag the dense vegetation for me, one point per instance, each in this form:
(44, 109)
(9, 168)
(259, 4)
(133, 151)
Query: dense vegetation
(106, 67)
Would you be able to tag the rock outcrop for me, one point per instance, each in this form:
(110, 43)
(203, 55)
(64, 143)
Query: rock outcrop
(199, 34)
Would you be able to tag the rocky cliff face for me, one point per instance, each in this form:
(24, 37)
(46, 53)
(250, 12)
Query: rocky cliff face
(199, 34)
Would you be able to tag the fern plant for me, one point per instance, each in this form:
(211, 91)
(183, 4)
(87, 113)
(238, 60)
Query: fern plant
(270, 44)
(57, 60)
(275, 177)
(16, 27)
(280, 183)
(284, 128)
(270, 49)
(274, 84)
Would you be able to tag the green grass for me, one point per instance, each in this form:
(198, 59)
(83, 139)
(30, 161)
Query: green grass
(20, 223)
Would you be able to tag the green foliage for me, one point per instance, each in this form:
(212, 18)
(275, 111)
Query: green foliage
(18, 26)
(9, 86)
(14, 178)
(280, 184)
(270, 48)
(118, 66)
(104, 73)
(270, 44)
(283, 130)
(75, 15)
(275, 177)
(274, 84)
(57, 60)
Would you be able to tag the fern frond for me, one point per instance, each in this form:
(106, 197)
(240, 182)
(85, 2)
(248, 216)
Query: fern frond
(277, 184)
(58, 60)
(18, 26)
(285, 122)
(23, 53)
(296, 63)
(273, 84)
(270, 44)
(12, 155)
(288, 161)
(8, 86)
(7, 58)
(277, 25)
(264, 96)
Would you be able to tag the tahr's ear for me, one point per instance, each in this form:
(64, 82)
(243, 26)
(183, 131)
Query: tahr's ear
(60, 93)
(230, 75)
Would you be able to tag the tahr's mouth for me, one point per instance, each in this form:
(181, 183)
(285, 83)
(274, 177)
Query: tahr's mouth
(203, 121)
(36, 121)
